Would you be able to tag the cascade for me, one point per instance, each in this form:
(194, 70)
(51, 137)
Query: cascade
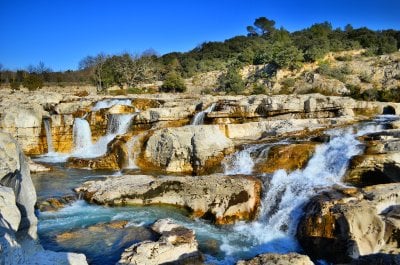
(84, 148)
(130, 145)
(242, 162)
(82, 135)
(286, 193)
(198, 119)
(49, 138)
(108, 103)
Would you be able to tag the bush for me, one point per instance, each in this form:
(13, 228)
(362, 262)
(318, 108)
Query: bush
(231, 82)
(334, 72)
(343, 58)
(365, 77)
(288, 82)
(15, 85)
(33, 82)
(259, 89)
(173, 82)
(134, 90)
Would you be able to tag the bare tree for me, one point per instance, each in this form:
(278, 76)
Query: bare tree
(96, 65)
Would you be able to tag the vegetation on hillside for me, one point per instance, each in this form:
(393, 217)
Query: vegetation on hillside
(264, 44)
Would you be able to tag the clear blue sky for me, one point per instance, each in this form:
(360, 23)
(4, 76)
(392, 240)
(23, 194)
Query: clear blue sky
(61, 32)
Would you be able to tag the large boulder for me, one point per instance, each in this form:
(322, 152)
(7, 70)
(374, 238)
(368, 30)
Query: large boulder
(186, 149)
(223, 199)
(381, 161)
(341, 226)
(18, 222)
(176, 245)
(15, 174)
(277, 259)
(288, 157)
(24, 123)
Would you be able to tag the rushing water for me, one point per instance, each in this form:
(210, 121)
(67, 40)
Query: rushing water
(49, 138)
(274, 231)
(82, 138)
(198, 119)
(108, 103)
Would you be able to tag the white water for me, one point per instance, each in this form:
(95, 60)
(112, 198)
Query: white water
(117, 124)
(49, 138)
(242, 162)
(108, 103)
(82, 139)
(82, 135)
(198, 119)
(285, 195)
(130, 145)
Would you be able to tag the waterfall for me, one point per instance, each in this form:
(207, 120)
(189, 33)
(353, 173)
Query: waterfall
(49, 138)
(108, 103)
(286, 193)
(130, 145)
(198, 119)
(242, 162)
(82, 135)
(118, 123)
(84, 148)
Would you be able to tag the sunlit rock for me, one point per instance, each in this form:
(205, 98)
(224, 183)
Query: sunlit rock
(177, 245)
(222, 199)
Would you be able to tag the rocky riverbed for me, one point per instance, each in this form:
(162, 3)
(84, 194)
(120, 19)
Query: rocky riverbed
(154, 179)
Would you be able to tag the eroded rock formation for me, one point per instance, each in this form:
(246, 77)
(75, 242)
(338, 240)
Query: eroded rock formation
(223, 199)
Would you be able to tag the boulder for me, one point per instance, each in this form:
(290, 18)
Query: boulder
(222, 199)
(24, 123)
(288, 157)
(380, 162)
(278, 259)
(186, 149)
(18, 222)
(15, 174)
(177, 245)
(341, 226)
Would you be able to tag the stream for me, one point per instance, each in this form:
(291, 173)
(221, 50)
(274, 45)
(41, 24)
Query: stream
(284, 195)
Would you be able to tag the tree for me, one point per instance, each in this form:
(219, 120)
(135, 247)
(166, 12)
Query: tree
(96, 65)
(231, 81)
(264, 25)
(173, 82)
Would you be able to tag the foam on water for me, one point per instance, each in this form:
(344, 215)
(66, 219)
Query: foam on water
(82, 138)
(49, 138)
(198, 119)
(108, 103)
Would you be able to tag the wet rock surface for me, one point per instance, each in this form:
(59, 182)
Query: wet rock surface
(18, 223)
(278, 259)
(341, 226)
(222, 199)
(176, 245)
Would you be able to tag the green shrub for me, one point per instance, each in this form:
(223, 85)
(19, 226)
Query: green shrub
(365, 77)
(33, 82)
(231, 81)
(288, 82)
(173, 82)
(343, 58)
(259, 89)
(15, 85)
(134, 90)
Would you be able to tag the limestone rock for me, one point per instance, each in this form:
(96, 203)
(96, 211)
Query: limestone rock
(9, 210)
(223, 199)
(15, 174)
(18, 236)
(340, 227)
(176, 245)
(287, 157)
(187, 149)
(381, 161)
(278, 259)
